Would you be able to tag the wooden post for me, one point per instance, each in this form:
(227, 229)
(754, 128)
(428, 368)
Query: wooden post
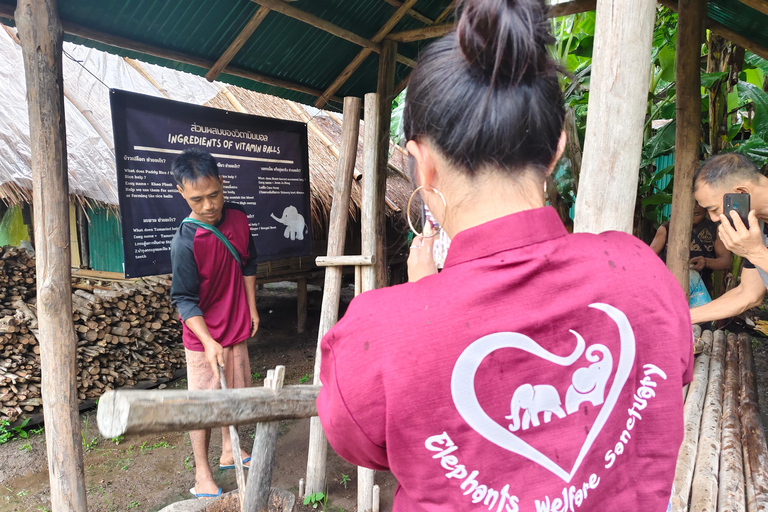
(385, 88)
(239, 468)
(365, 481)
(619, 93)
(263, 453)
(692, 418)
(753, 433)
(318, 445)
(41, 36)
(368, 214)
(705, 486)
(730, 496)
(82, 231)
(301, 314)
(687, 137)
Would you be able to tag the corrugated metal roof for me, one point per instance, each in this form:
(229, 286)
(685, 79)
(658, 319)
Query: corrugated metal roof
(284, 48)
(281, 47)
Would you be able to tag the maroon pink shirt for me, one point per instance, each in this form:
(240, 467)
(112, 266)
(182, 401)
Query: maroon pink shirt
(539, 371)
(208, 281)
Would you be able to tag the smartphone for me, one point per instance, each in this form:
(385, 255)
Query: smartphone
(738, 203)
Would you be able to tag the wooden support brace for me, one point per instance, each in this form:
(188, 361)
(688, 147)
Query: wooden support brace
(412, 13)
(326, 26)
(753, 432)
(263, 453)
(758, 5)
(129, 44)
(360, 58)
(341, 261)
(731, 490)
(237, 44)
(126, 412)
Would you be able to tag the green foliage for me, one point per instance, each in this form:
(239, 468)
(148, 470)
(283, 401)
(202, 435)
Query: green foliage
(344, 480)
(317, 499)
(304, 379)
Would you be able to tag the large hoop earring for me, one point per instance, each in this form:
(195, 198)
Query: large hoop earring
(408, 211)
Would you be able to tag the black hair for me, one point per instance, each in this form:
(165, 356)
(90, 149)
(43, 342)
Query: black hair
(194, 164)
(726, 168)
(487, 95)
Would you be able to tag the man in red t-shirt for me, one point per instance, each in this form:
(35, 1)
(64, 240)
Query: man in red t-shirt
(215, 295)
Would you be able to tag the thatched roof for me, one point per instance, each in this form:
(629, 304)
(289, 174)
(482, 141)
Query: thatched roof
(323, 159)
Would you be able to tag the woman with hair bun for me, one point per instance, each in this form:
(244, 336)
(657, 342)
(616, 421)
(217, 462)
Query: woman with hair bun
(540, 370)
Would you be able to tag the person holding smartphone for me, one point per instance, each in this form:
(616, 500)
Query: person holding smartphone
(729, 173)
(512, 380)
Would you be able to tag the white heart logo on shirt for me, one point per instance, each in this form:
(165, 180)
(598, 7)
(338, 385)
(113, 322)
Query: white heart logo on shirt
(465, 398)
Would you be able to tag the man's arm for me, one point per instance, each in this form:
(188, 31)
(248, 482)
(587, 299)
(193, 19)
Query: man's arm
(721, 261)
(250, 268)
(250, 295)
(184, 295)
(745, 296)
(660, 240)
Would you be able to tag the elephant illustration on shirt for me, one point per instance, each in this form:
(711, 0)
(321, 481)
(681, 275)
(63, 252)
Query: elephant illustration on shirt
(589, 382)
(534, 400)
(295, 226)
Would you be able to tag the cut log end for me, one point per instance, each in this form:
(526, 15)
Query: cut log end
(112, 415)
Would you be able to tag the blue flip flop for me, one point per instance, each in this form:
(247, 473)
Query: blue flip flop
(232, 466)
(204, 494)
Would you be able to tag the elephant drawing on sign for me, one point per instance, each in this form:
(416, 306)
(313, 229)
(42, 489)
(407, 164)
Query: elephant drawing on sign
(295, 226)
(589, 383)
(534, 400)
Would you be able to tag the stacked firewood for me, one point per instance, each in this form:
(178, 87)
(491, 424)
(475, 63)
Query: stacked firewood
(723, 461)
(127, 333)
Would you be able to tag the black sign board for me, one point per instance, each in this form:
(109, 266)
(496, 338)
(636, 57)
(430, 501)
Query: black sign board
(264, 163)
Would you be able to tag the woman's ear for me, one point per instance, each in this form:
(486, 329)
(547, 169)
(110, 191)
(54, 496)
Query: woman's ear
(424, 174)
(559, 153)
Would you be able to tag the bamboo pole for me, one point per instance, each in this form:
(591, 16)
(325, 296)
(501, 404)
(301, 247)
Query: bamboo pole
(752, 428)
(687, 137)
(318, 445)
(341, 261)
(41, 38)
(385, 89)
(692, 418)
(365, 52)
(730, 497)
(263, 453)
(236, 457)
(368, 225)
(705, 485)
(619, 91)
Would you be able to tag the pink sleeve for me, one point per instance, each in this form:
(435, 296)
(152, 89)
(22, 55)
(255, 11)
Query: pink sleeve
(337, 415)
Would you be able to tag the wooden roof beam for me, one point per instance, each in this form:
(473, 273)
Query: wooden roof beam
(439, 30)
(411, 12)
(326, 26)
(725, 32)
(758, 5)
(237, 44)
(364, 53)
(72, 29)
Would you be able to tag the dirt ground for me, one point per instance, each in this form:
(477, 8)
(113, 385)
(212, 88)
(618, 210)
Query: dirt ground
(146, 473)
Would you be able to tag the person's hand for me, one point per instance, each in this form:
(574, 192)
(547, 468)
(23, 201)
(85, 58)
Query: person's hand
(420, 260)
(747, 243)
(254, 322)
(214, 354)
(697, 263)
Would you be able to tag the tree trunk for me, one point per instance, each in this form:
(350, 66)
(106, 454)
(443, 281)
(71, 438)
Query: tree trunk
(41, 35)
(617, 107)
